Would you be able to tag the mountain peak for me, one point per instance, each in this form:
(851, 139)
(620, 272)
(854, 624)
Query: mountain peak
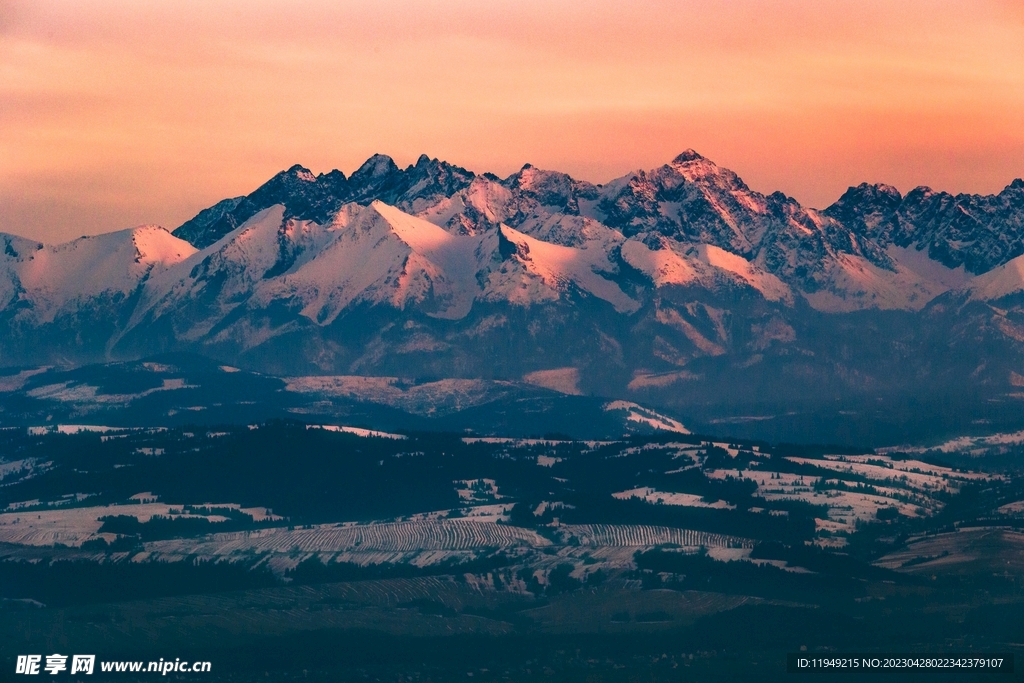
(919, 193)
(301, 172)
(375, 167)
(686, 156)
(877, 193)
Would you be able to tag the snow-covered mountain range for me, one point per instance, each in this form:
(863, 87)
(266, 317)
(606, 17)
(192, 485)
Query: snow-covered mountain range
(676, 284)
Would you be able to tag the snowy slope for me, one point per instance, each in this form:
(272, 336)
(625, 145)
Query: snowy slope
(386, 256)
(224, 276)
(560, 268)
(703, 265)
(57, 279)
(485, 203)
(999, 282)
(375, 255)
(854, 284)
(638, 417)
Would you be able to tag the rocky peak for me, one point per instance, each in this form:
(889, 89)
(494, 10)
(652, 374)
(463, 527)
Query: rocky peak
(377, 166)
(686, 156)
(415, 188)
(979, 232)
(334, 176)
(534, 190)
(302, 173)
(303, 195)
(432, 178)
(690, 199)
(869, 211)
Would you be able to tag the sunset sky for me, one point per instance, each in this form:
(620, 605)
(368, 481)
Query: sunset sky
(114, 114)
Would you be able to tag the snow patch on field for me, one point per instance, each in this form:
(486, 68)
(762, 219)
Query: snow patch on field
(974, 445)
(847, 503)
(631, 535)
(1012, 508)
(477, 490)
(444, 534)
(67, 392)
(73, 429)
(359, 431)
(74, 526)
(431, 398)
(636, 413)
(562, 380)
(649, 495)
(16, 382)
(514, 442)
(18, 467)
(925, 478)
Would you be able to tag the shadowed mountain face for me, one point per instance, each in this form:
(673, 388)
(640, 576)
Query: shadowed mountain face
(977, 232)
(678, 286)
(318, 198)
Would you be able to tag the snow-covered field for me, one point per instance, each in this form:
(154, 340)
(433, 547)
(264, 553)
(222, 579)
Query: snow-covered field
(72, 526)
(635, 413)
(855, 487)
(562, 380)
(67, 392)
(971, 445)
(1015, 508)
(650, 495)
(912, 474)
(18, 467)
(989, 547)
(403, 537)
(358, 431)
(633, 535)
(430, 398)
(475, 491)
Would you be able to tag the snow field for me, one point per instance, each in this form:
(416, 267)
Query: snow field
(445, 534)
(845, 507)
(74, 526)
(477, 490)
(359, 431)
(633, 535)
(927, 478)
(644, 416)
(650, 495)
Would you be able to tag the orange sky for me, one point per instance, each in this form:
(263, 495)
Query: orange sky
(119, 113)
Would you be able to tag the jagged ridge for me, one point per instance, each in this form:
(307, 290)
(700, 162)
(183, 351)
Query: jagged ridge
(675, 277)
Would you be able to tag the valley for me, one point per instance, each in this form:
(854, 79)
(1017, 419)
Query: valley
(530, 552)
